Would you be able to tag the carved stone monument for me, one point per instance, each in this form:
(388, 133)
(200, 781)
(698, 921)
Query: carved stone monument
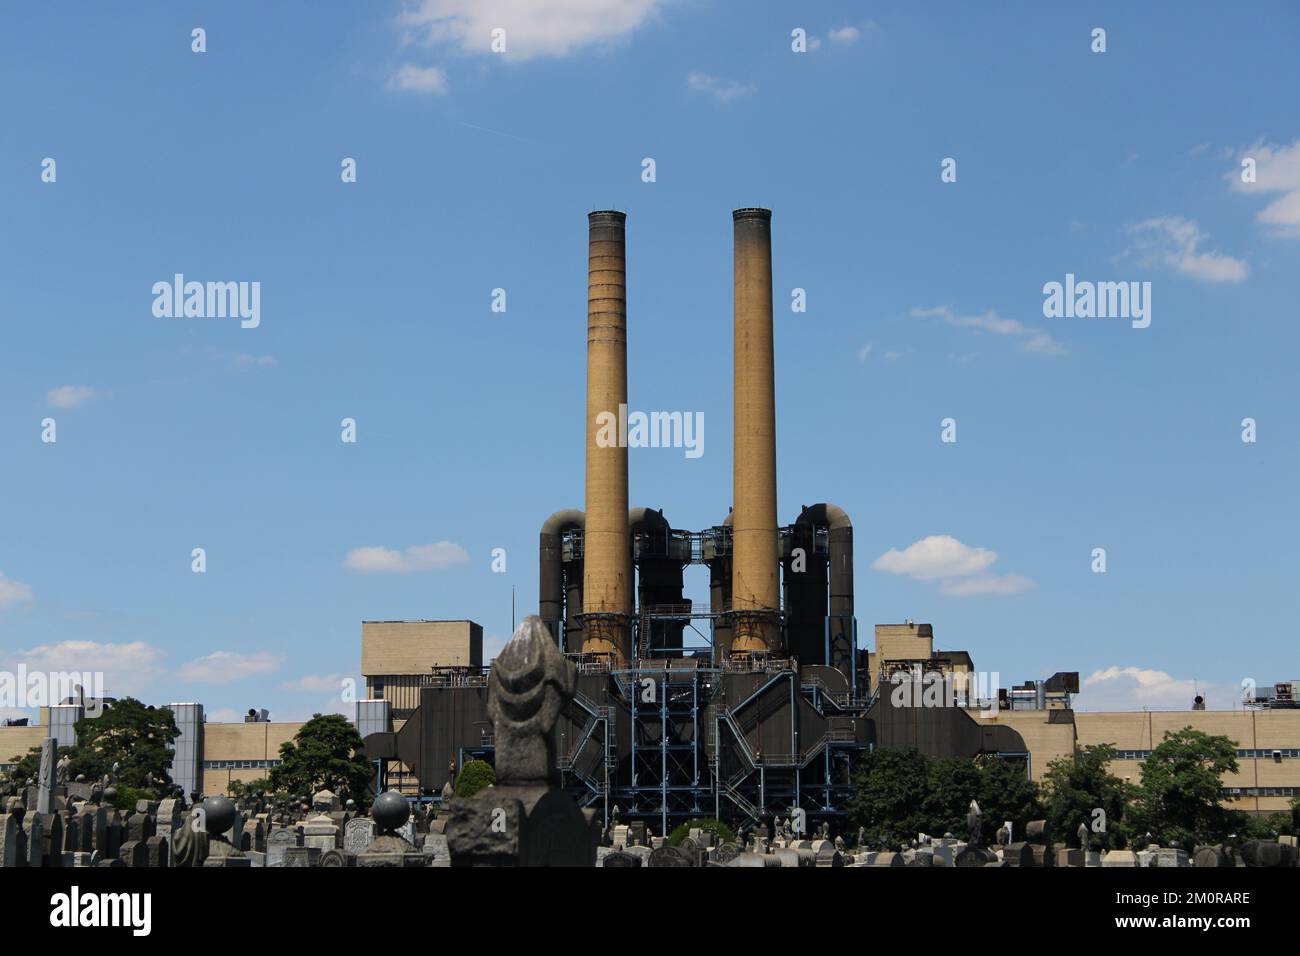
(524, 819)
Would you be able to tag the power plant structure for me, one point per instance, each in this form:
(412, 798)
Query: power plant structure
(766, 715)
(768, 707)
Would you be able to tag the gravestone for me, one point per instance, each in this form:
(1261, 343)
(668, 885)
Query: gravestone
(525, 819)
(1119, 858)
(618, 858)
(669, 856)
(45, 788)
(157, 852)
(358, 834)
(12, 851)
(277, 843)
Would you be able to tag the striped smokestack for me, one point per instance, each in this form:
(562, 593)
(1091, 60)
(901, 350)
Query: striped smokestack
(755, 586)
(607, 568)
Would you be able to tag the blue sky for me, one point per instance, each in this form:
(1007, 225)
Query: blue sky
(475, 170)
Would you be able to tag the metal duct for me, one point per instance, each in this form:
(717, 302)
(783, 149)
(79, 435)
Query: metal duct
(755, 584)
(720, 593)
(840, 560)
(607, 566)
(551, 598)
(659, 577)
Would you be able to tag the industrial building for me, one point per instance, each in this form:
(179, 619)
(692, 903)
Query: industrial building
(758, 701)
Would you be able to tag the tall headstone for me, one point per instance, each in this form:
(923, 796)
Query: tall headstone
(45, 788)
(525, 819)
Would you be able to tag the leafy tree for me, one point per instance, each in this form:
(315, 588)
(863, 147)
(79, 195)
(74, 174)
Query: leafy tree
(325, 754)
(27, 768)
(135, 737)
(1007, 793)
(1076, 785)
(128, 797)
(476, 775)
(247, 789)
(1178, 800)
(951, 784)
(891, 786)
(719, 829)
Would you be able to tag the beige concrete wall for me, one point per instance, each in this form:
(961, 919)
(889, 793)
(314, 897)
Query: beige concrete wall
(1046, 741)
(17, 741)
(241, 742)
(898, 642)
(413, 647)
(1248, 729)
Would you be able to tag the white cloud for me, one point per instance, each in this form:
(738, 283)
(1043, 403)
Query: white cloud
(1174, 243)
(224, 667)
(13, 592)
(938, 556)
(419, 79)
(315, 684)
(69, 396)
(1136, 688)
(962, 571)
(254, 361)
(130, 668)
(1277, 170)
(1037, 343)
(998, 584)
(419, 557)
(844, 36)
(534, 28)
(724, 91)
(864, 352)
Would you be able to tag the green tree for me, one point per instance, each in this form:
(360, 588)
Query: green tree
(1007, 793)
(247, 789)
(1178, 799)
(719, 829)
(325, 754)
(27, 768)
(891, 786)
(476, 775)
(134, 737)
(951, 785)
(1074, 786)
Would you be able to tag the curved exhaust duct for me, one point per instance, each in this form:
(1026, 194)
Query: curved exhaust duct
(551, 589)
(659, 576)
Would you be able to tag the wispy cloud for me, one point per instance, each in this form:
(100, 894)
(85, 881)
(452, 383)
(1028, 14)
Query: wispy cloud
(70, 396)
(724, 91)
(1277, 170)
(1035, 341)
(962, 571)
(1173, 242)
(938, 556)
(225, 667)
(986, 584)
(1137, 688)
(128, 668)
(254, 361)
(532, 28)
(419, 557)
(429, 80)
(864, 352)
(315, 684)
(13, 592)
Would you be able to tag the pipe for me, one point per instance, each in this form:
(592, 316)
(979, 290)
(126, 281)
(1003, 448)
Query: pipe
(755, 584)
(720, 598)
(840, 553)
(659, 574)
(607, 565)
(550, 588)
